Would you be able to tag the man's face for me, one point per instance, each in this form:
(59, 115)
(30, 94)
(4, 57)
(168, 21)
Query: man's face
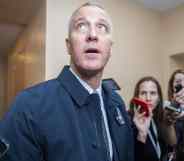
(90, 41)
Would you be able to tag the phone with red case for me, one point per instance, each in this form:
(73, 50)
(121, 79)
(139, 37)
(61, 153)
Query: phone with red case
(144, 106)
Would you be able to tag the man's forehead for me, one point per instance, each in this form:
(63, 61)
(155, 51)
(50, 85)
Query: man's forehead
(88, 11)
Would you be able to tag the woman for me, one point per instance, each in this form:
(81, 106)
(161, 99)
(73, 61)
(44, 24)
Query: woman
(177, 96)
(177, 79)
(149, 142)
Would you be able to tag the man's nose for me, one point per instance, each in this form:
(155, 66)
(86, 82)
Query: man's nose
(92, 34)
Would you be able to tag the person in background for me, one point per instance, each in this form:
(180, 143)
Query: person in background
(176, 96)
(73, 117)
(149, 142)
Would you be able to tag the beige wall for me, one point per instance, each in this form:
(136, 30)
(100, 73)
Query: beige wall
(2, 83)
(137, 37)
(173, 38)
(26, 62)
(136, 51)
(172, 26)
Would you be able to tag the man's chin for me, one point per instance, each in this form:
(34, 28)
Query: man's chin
(90, 72)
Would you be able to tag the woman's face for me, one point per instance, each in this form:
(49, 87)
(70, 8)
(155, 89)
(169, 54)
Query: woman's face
(178, 79)
(148, 92)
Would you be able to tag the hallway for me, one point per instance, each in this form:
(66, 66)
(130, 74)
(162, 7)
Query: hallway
(22, 47)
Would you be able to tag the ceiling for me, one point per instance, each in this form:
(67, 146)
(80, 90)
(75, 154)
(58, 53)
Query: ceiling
(14, 16)
(161, 5)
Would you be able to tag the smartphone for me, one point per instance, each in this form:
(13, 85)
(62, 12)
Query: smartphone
(144, 106)
(178, 88)
(172, 106)
(3, 148)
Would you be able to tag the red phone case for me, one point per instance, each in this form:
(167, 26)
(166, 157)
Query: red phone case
(144, 105)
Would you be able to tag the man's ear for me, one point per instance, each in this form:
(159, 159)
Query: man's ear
(112, 43)
(67, 41)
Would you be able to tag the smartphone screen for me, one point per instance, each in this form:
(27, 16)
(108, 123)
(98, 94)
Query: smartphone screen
(178, 87)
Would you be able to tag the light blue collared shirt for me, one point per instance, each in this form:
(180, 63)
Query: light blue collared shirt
(99, 91)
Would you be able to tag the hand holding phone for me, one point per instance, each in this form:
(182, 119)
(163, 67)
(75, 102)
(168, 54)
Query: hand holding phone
(172, 106)
(178, 99)
(3, 148)
(141, 117)
(144, 106)
(178, 88)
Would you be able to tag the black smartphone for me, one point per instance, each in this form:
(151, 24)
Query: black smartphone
(178, 88)
(3, 148)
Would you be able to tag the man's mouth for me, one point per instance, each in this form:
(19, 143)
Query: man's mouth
(92, 50)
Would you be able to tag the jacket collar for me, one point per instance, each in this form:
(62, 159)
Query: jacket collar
(85, 85)
(73, 86)
(79, 93)
(111, 97)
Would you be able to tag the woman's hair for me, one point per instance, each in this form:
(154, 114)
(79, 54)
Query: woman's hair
(171, 81)
(158, 111)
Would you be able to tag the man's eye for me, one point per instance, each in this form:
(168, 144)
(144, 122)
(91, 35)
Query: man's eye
(82, 27)
(102, 28)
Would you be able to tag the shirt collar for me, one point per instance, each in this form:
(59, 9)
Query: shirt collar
(87, 86)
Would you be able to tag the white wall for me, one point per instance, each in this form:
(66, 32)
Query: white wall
(173, 34)
(137, 50)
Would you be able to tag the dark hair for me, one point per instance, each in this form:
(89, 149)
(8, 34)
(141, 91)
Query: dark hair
(171, 81)
(158, 111)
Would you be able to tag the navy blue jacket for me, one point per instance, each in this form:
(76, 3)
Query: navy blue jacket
(52, 122)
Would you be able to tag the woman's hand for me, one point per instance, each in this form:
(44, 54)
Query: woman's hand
(170, 117)
(142, 123)
(179, 97)
(167, 126)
